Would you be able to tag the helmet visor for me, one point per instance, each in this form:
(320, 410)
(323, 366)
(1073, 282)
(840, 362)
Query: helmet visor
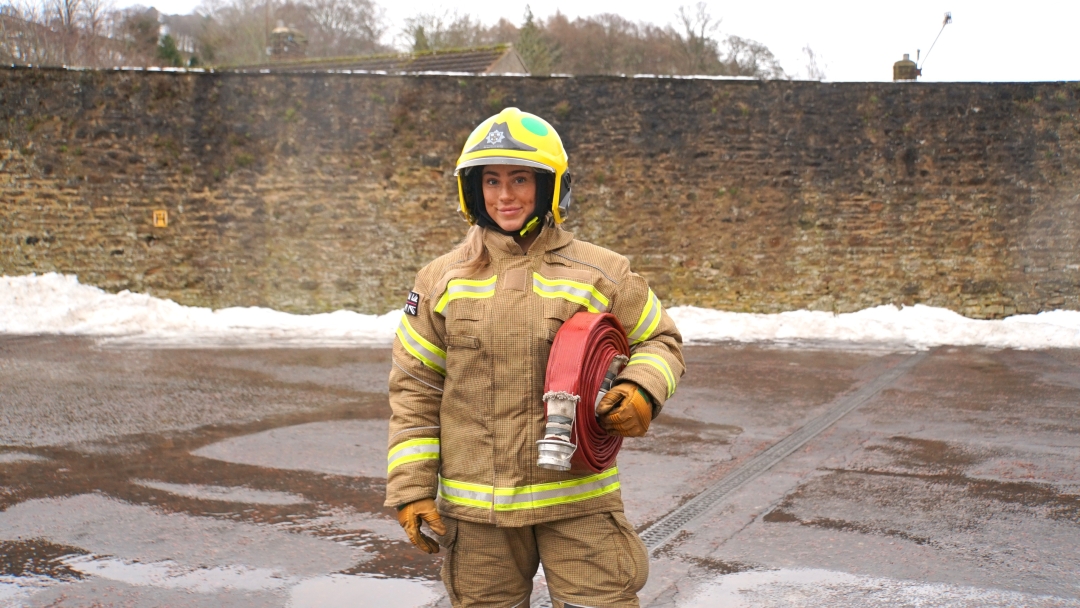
(502, 160)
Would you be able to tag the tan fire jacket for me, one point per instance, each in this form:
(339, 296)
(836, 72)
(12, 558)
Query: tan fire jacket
(468, 374)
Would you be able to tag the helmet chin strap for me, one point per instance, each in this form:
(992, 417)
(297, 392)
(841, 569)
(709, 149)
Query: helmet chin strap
(532, 224)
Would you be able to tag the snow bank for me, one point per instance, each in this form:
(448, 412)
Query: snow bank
(58, 304)
(916, 326)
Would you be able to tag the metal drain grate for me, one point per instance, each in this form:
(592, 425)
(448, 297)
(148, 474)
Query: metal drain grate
(668, 526)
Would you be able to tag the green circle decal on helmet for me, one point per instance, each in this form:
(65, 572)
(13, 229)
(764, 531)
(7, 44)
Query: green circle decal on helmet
(513, 137)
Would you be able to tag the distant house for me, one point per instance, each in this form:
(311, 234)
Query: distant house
(499, 59)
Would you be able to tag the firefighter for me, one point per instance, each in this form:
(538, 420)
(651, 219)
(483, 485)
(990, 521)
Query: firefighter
(467, 380)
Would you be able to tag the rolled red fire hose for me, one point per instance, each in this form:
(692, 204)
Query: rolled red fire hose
(580, 358)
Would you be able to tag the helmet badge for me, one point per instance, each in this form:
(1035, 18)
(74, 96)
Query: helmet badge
(499, 138)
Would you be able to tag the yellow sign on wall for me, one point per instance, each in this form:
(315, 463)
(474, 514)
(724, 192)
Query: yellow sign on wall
(161, 218)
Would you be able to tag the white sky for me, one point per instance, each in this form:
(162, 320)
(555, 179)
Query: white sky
(989, 40)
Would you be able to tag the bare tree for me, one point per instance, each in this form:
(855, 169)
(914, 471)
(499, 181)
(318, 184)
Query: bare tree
(430, 31)
(60, 32)
(815, 68)
(747, 57)
(610, 44)
(234, 31)
(699, 45)
(26, 39)
(344, 27)
(93, 20)
(64, 18)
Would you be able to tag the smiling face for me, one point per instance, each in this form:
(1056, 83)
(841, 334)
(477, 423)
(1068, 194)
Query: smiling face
(509, 195)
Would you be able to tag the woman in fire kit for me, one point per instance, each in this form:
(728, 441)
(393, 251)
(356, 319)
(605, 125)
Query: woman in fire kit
(468, 375)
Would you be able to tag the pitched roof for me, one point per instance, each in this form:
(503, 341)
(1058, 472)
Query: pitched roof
(500, 59)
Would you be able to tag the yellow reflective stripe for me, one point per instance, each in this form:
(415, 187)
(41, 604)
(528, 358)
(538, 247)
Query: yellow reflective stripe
(428, 354)
(557, 493)
(573, 291)
(468, 494)
(547, 502)
(649, 320)
(412, 451)
(411, 458)
(529, 497)
(657, 362)
(457, 289)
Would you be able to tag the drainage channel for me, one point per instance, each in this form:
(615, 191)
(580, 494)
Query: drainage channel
(668, 526)
(664, 529)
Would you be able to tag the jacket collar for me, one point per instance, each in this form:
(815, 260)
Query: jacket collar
(551, 237)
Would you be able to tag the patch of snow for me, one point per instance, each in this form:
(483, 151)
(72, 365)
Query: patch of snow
(13, 457)
(916, 326)
(16, 588)
(224, 493)
(170, 575)
(58, 304)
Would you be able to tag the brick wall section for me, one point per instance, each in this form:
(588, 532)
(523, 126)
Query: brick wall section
(313, 192)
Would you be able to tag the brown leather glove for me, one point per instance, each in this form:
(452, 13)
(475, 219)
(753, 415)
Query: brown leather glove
(625, 410)
(409, 517)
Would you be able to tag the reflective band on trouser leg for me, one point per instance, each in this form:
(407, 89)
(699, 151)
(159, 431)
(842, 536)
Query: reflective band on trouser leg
(650, 318)
(467, 494)
(581, 355)
(557, 493)
(572, 291)
(466, 288)
(657, 362)
(411, 451)
(428, 354)
(529, 497)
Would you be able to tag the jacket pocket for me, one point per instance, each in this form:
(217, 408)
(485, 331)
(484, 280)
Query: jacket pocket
(465, 316)
(462, 341)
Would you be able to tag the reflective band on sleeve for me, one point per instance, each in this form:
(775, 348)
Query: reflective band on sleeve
(650, 318)
(428, 354)
(466, 288)
(573, 291)
(529, 497)
(411, 451)
(467, 494)
(657, 362)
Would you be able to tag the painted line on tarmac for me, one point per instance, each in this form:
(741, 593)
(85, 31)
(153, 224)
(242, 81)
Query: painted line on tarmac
(663, 530)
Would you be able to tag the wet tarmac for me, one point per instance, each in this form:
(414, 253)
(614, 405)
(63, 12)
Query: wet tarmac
(170, 477)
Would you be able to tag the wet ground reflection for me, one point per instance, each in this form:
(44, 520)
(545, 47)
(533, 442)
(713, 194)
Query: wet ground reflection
(136, 509)
(255, 478)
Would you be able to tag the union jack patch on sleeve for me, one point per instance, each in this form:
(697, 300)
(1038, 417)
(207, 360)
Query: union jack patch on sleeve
(411, 303)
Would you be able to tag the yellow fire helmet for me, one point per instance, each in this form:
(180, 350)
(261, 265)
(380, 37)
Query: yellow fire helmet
(513, 137)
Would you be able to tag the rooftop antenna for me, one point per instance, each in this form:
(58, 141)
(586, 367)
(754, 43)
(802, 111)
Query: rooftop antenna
(946, 21)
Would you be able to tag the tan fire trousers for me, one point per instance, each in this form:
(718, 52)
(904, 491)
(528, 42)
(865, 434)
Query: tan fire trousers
(593, 561)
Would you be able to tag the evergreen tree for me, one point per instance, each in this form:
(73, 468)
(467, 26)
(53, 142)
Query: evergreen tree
(539, 55)
(167, 52)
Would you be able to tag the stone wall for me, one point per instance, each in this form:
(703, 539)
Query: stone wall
(312, 192)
